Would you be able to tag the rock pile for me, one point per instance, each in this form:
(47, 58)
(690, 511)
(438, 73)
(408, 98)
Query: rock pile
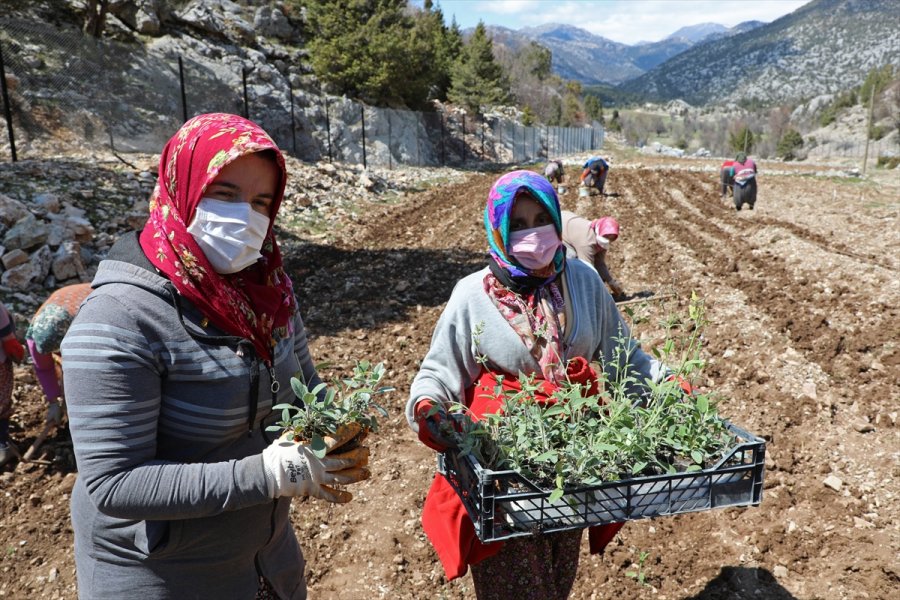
(59, 218)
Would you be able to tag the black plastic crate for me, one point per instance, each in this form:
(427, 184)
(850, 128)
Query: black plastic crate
(504, 504)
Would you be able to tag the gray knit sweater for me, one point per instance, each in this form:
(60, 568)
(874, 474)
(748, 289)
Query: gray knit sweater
(171, 499)
(471, 326)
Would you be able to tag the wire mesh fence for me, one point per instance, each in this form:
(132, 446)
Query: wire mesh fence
(845, 148)
(67, 92)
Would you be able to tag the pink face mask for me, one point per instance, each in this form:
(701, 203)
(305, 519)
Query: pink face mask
(534, 248)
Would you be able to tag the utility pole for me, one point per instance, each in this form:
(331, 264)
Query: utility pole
(868, 128)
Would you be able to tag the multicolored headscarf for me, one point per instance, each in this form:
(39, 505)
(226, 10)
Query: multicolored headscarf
(496, 219)
(255, 303)
(532, 304)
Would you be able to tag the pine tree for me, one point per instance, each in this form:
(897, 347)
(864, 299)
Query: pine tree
(741, 140)
(593, 108)
(477, 80)
(445, 43)
(372, 50)
(879, 78)
(789, 143)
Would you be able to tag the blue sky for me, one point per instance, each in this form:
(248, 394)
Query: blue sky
(624, 21)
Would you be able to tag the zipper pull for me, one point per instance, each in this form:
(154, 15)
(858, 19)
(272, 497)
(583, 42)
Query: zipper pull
(275, 385)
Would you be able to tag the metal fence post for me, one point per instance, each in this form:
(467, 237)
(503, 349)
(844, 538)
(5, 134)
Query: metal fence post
(481, 125)
(7, 112)
(443, 162)
(244, 78)
(184, 111)
(464, 138)
(362, 111)
(327, 127)
(534, 153)
(293, 128)
(418, 155)
(524, 146)
(390, 152)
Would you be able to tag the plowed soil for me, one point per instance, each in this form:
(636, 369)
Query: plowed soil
(803, 346)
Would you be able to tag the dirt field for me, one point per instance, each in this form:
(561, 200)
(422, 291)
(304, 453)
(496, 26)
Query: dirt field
(803, 299)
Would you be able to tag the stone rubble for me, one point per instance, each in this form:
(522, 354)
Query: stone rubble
(58, 219)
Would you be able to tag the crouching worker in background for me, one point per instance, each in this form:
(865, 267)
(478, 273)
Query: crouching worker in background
(595, 171)
(745, 171)
(554, 171)
(589, 241)
(172, 366)
(44, 336)
(529, 311)
(11, 350)
(726, 178)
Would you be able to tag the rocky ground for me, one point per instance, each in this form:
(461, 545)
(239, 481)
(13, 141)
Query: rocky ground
(803, 345)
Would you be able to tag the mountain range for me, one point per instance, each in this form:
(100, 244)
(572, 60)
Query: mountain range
(823, 47)
(591, 59)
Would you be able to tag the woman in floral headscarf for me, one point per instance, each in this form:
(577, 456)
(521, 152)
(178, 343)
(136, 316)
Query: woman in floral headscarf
(189, 337)
(529, 311)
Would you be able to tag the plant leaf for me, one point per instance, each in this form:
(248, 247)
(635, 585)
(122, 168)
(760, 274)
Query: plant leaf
(703, 404)
(318, 446)
(298, 387)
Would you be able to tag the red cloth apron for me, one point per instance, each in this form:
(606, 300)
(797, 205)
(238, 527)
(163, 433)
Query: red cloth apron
(444, 518)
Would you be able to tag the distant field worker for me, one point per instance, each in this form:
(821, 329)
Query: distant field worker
(744, 181)
(45, 333)
(11, 351)
(554, 171)
(589, 241)
(726, 177)
(595, 171)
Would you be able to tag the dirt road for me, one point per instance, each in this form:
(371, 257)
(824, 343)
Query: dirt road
(803, 345)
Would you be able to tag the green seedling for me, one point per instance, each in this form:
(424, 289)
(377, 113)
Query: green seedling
(641, 571)
(323, 409)
(632, 428)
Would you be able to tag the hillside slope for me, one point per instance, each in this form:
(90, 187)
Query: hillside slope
(823, 47)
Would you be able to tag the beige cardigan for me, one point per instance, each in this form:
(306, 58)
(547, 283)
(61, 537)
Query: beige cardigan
(581, 242)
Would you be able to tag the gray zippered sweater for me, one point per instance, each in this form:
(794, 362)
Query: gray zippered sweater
(471, 326)
(171, 500)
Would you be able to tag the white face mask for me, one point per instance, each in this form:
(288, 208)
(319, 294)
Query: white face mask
(230, 234)
(603, 242)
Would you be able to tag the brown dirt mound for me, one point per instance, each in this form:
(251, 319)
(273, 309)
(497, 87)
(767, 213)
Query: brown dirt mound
(804, 308)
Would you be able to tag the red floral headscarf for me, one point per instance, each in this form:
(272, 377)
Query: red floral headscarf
(255, 303)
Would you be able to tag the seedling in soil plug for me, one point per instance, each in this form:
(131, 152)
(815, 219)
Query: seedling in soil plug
(641, 571)
(328, 413)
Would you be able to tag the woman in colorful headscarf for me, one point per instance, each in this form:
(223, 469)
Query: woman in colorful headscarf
(45, 333)
(172, 366)
(589, 241)
(529, 311)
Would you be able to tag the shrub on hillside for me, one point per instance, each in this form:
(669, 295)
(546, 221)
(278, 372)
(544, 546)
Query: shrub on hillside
(888, 162)
(789, 144)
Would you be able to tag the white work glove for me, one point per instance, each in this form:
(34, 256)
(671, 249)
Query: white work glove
(292, 469)
(54, 414)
